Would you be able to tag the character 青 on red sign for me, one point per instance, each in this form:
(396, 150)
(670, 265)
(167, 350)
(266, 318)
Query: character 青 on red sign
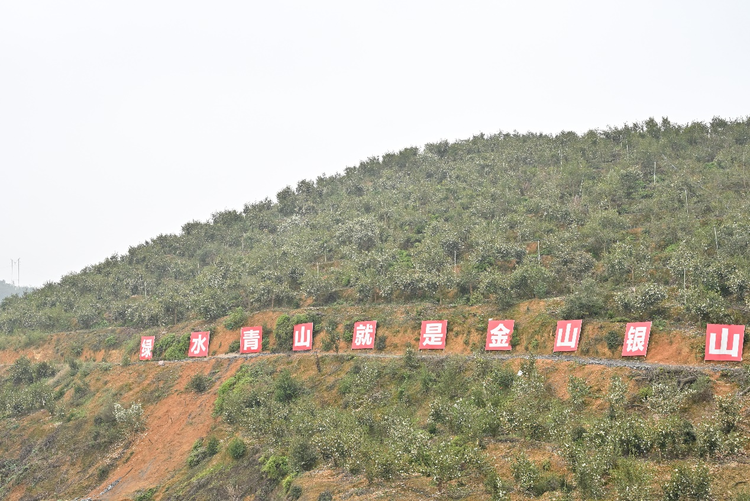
(251, 339)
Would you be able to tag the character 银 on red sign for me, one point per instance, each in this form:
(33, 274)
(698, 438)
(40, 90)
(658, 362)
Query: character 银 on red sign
(364, 335)
(567, 334)
(251, 339)
(636, 339)
(433, 335)
(147, 347)
(303, 337)
(724, 342)
(499, 334)
(199, 344)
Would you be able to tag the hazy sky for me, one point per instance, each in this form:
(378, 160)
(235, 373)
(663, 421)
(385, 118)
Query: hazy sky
(123, 120)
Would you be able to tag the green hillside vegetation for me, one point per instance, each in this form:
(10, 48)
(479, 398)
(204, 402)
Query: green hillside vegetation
(640, 221)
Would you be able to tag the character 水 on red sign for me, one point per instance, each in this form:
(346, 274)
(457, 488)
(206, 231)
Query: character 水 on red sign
(251, 339)
(199, 344)
(636, 339)
(724, 342)
(302, 337)
(147, 346)
(568, 332)
(364, 335)
(499, 333)
(433, 335)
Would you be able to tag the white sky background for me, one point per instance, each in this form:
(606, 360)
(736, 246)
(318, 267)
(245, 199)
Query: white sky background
(120, 121)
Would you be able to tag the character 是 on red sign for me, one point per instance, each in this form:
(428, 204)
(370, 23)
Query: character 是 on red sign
(147, 347)
(433, 335)
(199, 344)
(499, 334)
(251, 339)
(724, 342)
(364, 335)
(302, 337)
(568, 332)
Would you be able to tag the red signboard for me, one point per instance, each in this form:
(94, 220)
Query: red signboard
(303, 337)
(199, 344)
(636, 339)
(567, 334)
(364, 335)
(433, 335)
(251, 339)
(499, 334)
(724, 342)
(147, 347)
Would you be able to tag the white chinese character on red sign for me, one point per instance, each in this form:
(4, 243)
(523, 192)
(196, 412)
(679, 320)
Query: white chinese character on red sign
(636, 339)
(251, 339)
(147, 346)
(568, 332)
(302, 337)
(724, 342)
(199, 344)
(364, 335)
(433, 335)
(499, 333)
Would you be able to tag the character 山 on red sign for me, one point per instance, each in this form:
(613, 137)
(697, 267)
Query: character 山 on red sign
(433, 335)
(364, 335)
(567, 334)
(147, 347)
(499, 333)
(636, 339)
(251, 339)
(302, 337)
(198, 344)
(724, 342)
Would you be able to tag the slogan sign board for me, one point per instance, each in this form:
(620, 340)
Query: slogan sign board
(433, 335)
(724, 342)
(499, 334)
(303, 337)
(251, 339)
(147, 347)
(567, 334)
(636, 339)
(364, 335)
(199, 344)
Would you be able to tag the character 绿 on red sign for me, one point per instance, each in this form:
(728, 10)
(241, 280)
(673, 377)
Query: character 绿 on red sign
(251, 339)
(499, 333)
(147, 347)
(724, 342)
(364, 335)
(636, 339)
(303, 337)
(567, 334)
(198, 344)
(433, 335)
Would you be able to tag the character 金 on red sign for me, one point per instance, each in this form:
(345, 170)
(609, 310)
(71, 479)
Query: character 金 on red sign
(364, 335)
(303, 337)
(433, 335)
(147, 347)
(724, 342)
(567, 334)
(251, 339)
(199, 344)
(636, 339)
(499, 334)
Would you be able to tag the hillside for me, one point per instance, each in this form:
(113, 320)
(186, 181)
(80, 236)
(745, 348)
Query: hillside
(7, 289)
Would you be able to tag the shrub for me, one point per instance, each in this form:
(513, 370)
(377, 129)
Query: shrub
(236, 319)
(688, 483)
(632, 481)
(237, 448)
(286, 388)
(130, 420)
(199, 383)
(234, 346)
(212, 447)
(276, 468)
(295, 492)
(380, 342)
(325, 496)
(21, 371)
(613, 340)
(302, 456)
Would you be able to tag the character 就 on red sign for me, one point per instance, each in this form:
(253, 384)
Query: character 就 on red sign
(251, 339)
(364, 335)
(147, 347)
(568, 333)
(433, 335)
(724, 342)
(303, 337)
(636, 339)
(199, 344)
(499, 334)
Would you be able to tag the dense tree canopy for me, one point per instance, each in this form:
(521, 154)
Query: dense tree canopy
(652, 218)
